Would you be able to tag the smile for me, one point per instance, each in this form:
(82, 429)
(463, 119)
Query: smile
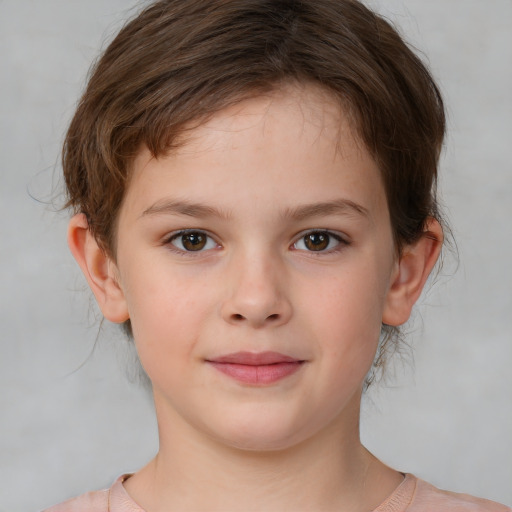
(256, 368)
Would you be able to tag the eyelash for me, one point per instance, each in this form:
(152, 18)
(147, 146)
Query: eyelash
(176, 236)
(341, 242)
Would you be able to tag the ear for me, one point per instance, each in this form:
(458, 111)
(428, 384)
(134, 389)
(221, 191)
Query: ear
(411, 273)
(99, 270)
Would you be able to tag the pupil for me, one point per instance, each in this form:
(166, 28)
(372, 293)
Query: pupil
(194, 241)
(317, 241)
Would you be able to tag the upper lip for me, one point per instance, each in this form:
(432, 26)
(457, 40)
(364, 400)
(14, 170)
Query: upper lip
(254, 358)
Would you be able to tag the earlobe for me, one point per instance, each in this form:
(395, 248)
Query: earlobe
(99, 270)
(411, 273)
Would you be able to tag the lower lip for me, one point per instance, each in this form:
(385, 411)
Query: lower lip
(258, 374)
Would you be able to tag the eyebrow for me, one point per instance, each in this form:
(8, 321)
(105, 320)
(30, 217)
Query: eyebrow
(184, 208)
(336, 207)
(199, 210)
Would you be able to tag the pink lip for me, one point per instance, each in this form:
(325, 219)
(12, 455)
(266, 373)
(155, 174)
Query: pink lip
(256, 368)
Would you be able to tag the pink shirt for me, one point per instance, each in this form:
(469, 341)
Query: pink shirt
(412, 495)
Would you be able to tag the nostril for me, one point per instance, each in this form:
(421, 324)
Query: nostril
(238, 316)
(275, 316)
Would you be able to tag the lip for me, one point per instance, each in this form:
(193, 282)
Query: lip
(256, 368)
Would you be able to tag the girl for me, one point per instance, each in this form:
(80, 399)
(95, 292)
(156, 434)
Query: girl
(254, 188)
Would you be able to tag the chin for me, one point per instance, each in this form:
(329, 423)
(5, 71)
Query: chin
(262, 434)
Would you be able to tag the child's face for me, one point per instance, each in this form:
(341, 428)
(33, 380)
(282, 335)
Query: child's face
(288, 249)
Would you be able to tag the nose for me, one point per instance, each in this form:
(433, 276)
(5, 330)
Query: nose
(257, 294)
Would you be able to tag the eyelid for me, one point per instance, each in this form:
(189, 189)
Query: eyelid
(341, 238)
(169, 238)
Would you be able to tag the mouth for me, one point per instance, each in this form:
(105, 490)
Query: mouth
(256, 368)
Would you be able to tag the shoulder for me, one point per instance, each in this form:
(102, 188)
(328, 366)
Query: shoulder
(115, 499)
(90, 502)
(427, 498)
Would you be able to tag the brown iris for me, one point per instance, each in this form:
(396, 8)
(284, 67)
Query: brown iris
(317, 241)
(193, 241)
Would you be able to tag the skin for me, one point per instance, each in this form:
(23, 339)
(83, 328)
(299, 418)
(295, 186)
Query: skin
(265, 174)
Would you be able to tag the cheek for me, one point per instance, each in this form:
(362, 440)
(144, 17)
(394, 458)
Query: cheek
(167, 315)
(351, 302)
(347, 317)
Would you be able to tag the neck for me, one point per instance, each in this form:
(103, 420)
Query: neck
(329, 471)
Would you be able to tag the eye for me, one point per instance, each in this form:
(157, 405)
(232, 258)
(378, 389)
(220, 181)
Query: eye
(192, 241)
(318, 241)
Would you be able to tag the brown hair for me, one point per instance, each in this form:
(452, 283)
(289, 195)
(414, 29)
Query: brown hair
(183, 60)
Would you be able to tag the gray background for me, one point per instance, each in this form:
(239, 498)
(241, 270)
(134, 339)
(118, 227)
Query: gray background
(71, 422)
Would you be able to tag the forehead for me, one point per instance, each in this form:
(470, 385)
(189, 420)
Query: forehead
(293, 145)
(316, 113)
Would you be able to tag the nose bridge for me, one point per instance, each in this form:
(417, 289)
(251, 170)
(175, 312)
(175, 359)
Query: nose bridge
(257, 292)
